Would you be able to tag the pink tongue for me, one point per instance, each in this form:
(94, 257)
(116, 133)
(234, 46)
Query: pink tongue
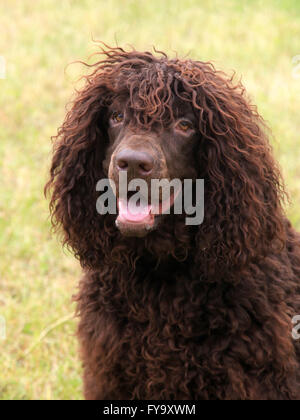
(133, 213)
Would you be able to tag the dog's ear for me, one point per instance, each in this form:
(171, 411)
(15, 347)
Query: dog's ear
(76, 168)
(243, 188)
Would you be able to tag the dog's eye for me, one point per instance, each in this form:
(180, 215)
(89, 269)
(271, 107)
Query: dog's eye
(117, 117)
(184, 125)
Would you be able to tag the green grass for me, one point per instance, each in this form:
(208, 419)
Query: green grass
(38, 359)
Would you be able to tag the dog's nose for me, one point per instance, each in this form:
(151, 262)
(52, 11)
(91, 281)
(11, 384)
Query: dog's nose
(140, 163)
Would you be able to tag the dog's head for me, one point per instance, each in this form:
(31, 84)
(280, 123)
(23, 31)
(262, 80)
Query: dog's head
(152, 118)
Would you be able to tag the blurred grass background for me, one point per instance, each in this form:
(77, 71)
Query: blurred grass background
(38, 359)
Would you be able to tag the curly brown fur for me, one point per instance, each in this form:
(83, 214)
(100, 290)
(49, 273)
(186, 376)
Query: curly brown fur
(185, 312)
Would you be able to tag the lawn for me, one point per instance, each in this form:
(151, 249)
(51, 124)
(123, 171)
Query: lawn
(259, 39)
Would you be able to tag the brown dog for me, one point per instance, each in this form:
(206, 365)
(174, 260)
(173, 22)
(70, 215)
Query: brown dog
(167, 310)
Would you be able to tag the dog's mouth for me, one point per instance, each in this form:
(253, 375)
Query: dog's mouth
(139, 217)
